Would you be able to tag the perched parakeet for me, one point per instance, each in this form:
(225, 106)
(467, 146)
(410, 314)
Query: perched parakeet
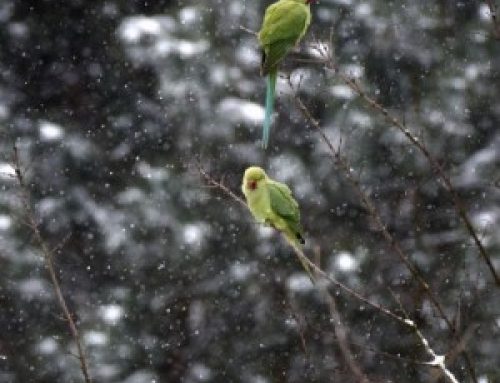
(285, 23)
(272, 203)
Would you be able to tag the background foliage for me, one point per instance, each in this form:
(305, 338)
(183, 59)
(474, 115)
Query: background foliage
(110, 102)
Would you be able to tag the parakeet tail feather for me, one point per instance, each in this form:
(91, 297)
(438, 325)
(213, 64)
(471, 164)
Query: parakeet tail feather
(270, 93)
(301, 240)
(307, 269)
(293, 242)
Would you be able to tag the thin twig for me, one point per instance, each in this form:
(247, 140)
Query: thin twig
(388, 355)
(436, 167)
(457, 350)
(341, 331)
(329, 62)
(245, 29)
(301, 324)
(212, 182)
(405, 321)
(47, 256)
(384, 354)
(302, 257)
(344, 165)
(300, 254)
(438, 361)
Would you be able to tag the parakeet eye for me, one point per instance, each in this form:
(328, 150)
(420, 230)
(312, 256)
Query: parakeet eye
(252, 185)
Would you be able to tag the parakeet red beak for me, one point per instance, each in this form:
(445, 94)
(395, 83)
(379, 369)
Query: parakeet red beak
(252, 185)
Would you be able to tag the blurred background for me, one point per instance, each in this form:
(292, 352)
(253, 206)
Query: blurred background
(111, 103)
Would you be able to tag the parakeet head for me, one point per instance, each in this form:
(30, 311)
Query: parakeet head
(253, 175)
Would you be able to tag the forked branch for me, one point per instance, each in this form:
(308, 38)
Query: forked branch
(343, 164)
(329, 62)
(437, 362)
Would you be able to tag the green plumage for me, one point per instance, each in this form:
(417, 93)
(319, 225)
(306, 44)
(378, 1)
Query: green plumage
(285, 23)
(283, 204)
(272, 203)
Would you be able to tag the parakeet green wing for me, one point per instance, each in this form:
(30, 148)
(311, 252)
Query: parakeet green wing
(272, 203)
(283, 205)
(277, 50)
(284, 24)
(284, 20)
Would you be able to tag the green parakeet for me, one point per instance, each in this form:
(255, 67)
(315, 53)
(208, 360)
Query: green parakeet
(285, 23)
(272, 203)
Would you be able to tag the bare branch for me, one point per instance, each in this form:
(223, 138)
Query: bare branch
(300, 254)
(436, 167)
(247, 30)
(301, 323)
(302, 257)
(342, 163)
(212, 182)
(457, 350)
(341, 331)
(438, 361)
(47, 255)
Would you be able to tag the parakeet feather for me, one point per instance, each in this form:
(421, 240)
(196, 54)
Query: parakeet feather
(285, 23)
(272, 203)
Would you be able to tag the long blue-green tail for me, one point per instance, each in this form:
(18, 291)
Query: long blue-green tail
(270, 93)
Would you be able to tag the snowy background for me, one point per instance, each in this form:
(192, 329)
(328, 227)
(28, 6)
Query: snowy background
(112, 102)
